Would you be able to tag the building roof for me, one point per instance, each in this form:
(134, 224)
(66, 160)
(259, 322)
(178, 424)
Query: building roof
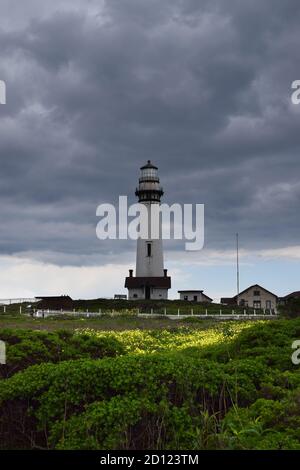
(228, 300)
(149, 165)
(207, 297)
(231, 300)
(54, 302)
(189, 290)
(163, 282)
(55, 297)
(193, 291)
(254, 286)
(291, 295)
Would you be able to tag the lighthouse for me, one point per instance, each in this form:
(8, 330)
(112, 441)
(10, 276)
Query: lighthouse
(151, 280)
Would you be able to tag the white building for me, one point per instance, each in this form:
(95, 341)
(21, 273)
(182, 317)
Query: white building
(254, 296)
(151, 280)
(194, 296)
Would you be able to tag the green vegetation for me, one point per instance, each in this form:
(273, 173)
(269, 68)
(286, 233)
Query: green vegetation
(228, 386)
(157, 306)
(291, 309)
(130, 307)
(103, 322)
(27, 347)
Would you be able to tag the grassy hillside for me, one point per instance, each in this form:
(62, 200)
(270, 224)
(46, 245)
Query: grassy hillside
(229, 386)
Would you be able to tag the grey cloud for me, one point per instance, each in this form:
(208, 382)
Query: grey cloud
(201, 88)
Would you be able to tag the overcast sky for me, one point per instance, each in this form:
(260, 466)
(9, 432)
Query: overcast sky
(96, 88)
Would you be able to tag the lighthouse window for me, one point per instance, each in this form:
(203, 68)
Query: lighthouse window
(149, 249)
(149, 173)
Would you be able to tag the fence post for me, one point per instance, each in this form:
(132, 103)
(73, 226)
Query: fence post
(206, 311)
(192, 311)
(165, 311)
(178, 311)
(220, 312)
(20, 308)
(244, 311)
(254, 312)
(4, 308)
(151, 311)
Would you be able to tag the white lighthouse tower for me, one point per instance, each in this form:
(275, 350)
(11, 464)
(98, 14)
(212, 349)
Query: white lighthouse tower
(151, 280)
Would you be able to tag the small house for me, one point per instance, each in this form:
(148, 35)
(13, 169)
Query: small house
(194, 296)
(254, 296)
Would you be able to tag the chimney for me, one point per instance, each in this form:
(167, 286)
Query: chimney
(165, 272)
(130, 272)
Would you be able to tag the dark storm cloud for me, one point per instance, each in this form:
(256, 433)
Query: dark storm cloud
(201, 88)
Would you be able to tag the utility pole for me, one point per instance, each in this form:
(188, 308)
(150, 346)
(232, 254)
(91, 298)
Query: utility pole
(237, 269)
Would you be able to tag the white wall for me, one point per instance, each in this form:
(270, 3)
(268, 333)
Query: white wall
(155, 294)
(152, 266)
(159, 293)
(138, 292)
(264, 296)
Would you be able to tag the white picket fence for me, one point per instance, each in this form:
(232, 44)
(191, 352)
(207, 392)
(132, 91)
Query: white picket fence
(59, 313)
(266, 314)
(234, 315)
(222, 316)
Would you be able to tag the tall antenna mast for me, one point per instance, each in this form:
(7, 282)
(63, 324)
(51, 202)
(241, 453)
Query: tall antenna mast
(237, 269)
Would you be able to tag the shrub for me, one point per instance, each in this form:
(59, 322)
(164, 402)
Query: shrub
(231, 386)
(27, 347)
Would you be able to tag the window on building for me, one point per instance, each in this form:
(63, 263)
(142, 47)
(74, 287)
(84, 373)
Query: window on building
(149, 249)
(195, 298)
(256, 292)
(135, 296)
(185, 297)
(268, 304)
(257, 304)
(149, 173)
